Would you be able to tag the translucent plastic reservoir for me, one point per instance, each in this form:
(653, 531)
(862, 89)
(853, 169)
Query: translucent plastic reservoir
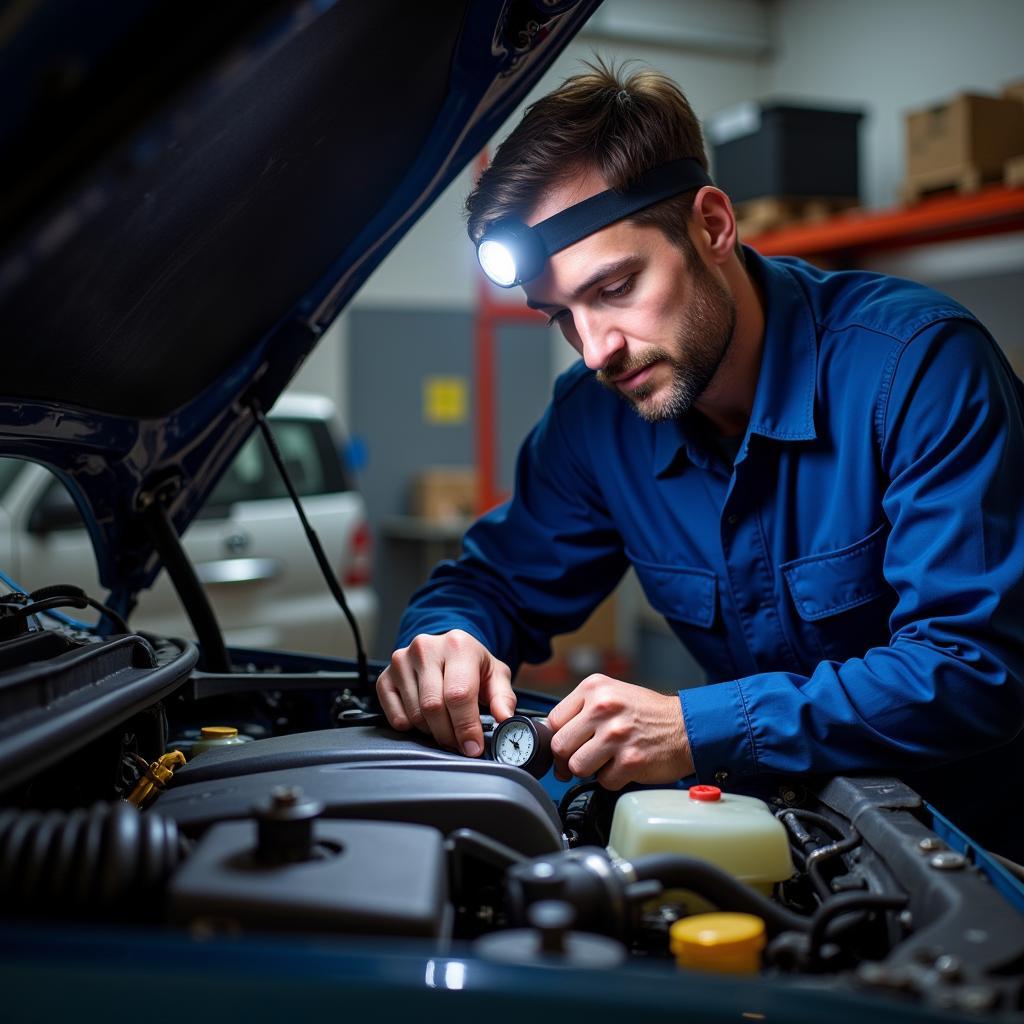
(213, 736)
(739, 834)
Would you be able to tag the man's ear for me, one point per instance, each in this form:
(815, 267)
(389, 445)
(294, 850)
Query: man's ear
(714, 218)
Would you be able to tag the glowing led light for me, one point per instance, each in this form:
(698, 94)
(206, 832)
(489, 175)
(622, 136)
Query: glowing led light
(497, 262)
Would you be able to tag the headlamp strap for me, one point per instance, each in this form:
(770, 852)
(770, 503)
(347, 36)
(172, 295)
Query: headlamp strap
(575, 222)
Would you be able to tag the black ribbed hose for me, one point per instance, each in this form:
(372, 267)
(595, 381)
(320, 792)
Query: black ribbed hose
(109, 857)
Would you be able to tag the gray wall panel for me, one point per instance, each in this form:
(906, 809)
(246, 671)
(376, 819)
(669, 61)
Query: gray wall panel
(391, 352)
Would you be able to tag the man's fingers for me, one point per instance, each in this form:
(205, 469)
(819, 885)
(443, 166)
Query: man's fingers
(496, 690)
(433, 698)
(391, 703)
(461, 698)
(436, 684)
(590, 759)
(567, 741)
(568, 708)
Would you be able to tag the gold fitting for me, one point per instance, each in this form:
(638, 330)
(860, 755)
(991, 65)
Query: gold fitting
(218, 732)
(163, 767)
(154, 777)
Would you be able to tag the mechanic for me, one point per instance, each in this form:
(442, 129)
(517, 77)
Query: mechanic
(816, 476)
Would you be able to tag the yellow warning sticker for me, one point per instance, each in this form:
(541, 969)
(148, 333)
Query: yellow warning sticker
(445, 399)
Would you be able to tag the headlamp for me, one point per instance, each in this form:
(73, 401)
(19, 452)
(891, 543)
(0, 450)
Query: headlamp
(510, 252)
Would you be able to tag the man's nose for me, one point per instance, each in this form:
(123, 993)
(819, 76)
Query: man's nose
(601, 341)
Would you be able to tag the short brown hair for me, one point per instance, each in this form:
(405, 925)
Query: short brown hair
(620, 124)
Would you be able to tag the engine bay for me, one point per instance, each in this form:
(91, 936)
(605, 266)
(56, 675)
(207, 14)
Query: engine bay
(274, 800)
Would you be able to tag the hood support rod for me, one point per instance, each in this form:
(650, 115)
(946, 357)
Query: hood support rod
(212, 652)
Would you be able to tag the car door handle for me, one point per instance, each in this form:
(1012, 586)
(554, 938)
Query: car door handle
(238, 570)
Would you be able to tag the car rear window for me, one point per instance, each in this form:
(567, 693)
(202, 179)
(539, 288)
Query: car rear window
(310, 456)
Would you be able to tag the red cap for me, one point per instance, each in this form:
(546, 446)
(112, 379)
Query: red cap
(705, 793)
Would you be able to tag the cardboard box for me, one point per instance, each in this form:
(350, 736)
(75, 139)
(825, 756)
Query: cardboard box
(599, 633)
(962, 143)
(444, 493)
(1014, 90)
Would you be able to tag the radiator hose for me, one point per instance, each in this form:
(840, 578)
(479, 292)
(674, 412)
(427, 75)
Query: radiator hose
(100, 859)
(607, 893)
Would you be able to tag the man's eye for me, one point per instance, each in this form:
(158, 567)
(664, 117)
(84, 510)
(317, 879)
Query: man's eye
(555, 317)
(619, 290)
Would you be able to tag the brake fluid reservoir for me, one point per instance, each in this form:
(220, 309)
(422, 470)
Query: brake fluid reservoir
(738, 834)
(213, 736)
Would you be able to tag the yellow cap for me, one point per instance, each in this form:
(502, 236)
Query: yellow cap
(725, 942)
(218, 732)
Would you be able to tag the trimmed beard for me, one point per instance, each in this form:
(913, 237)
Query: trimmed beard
(701, 344)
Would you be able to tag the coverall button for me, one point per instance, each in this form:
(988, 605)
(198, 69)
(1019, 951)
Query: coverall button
(721, 776)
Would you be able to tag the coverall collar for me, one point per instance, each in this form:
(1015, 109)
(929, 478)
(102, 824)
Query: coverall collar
(784, 399)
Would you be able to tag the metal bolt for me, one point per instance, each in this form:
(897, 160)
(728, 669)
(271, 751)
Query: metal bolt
(552, 918)
(543, 870)
(721, 777)
(948, 861)
(285, 796)
(789, 796)
(930, 844)
(907, 919)
(949, 967)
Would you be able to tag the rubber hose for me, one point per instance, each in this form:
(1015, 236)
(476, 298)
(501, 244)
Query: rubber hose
(675, 871)
(84, 860)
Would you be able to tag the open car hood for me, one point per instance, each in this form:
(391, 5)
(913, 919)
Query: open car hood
(190, 194)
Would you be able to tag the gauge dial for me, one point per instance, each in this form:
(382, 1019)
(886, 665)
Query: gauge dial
(523, 743)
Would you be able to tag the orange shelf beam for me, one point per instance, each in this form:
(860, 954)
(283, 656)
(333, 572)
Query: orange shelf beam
(993, 210)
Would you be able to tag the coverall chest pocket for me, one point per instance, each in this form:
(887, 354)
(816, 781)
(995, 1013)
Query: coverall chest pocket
(842, 597)
(688, 598)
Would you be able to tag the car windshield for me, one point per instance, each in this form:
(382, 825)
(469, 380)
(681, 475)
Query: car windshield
(9, 469)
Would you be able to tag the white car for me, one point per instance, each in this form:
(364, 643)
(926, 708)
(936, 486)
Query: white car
(247, 545)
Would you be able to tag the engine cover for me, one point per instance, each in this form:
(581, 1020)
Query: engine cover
(369, 878)
(368, 773)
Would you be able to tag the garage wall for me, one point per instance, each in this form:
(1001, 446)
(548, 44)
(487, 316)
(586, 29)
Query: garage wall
(891, 56)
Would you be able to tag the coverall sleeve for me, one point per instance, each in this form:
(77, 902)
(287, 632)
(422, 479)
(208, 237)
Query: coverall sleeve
(950, 682)
(533, 567)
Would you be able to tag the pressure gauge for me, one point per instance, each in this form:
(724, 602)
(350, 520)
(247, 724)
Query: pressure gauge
(523, 743)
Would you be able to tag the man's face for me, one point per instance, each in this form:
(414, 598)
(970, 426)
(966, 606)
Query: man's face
(653, 322)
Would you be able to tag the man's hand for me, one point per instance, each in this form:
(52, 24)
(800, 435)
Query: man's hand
(436, 685)
(620, 732)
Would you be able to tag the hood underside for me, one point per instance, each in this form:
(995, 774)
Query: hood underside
(191, 195)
